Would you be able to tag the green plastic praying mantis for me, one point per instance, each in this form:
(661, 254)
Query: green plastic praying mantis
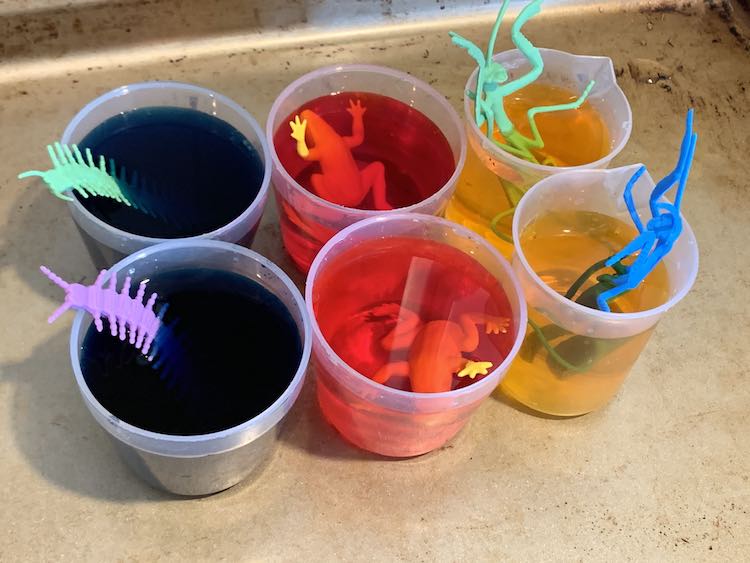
(493, 86)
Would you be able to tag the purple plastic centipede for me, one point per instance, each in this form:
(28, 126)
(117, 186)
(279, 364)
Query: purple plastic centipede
(122, 311)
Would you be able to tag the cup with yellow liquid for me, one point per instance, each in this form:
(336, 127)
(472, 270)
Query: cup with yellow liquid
(574, 358)
(493, 180)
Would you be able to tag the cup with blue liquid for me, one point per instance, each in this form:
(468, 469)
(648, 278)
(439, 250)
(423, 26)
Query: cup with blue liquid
(201, 166)
(204, 411)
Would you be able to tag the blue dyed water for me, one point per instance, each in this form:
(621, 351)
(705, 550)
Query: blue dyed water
(199, 172)
(237, 349)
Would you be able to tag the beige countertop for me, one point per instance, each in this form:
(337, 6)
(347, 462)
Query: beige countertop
(662, 473)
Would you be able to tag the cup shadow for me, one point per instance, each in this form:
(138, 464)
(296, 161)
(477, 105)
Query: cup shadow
(306, 429)
(499, 395)
(41, 231)
(55, 432)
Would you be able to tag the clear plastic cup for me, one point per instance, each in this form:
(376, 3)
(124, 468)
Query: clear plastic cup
(107, 244)
(480, 195)
(308, 221)
(207, 463)
(605, 344)
(390, 421)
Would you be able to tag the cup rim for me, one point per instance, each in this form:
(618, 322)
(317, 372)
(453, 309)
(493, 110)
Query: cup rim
(175, 439)
(492, 377)
(545, 169)
(595, 313)
(143, 240)
(387, 72)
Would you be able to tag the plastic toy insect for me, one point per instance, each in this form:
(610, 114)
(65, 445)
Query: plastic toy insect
(341, 181)
(654, 240)
(435, 348)
(128, 317)
(125, 314)
(71, 172)
(493, 86)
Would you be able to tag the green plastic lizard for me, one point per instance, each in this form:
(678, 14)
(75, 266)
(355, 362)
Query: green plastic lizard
(493, 86)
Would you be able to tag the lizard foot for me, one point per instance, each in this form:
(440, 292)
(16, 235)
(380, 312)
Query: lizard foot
(496, 325)
(472, 369)
(298, 128)
(356, 108)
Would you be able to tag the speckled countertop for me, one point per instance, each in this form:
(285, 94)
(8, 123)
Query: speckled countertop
(662, 473)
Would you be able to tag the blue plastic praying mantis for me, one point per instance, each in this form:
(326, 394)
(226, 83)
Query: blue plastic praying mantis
(493, 86)
(654, 240)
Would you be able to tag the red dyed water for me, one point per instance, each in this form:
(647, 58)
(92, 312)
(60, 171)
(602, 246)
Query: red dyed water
(360, 297)
(416, 155)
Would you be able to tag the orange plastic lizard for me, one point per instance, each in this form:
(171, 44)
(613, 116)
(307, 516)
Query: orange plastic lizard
(435, 348)
(341, 181)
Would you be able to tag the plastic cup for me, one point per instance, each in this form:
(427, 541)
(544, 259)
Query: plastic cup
(538, 380)
(490, 166)
(107, 244)
(390, 421)
(206, 463)
(308, 221)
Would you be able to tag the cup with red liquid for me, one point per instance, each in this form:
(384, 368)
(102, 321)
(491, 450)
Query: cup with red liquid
(415, 321)
(377, 139)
